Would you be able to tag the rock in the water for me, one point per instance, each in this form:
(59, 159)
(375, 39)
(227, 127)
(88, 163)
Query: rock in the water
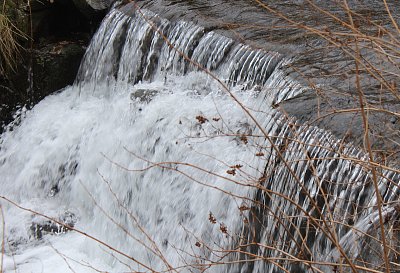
(41, 227)
(143, 95)
(99, 4)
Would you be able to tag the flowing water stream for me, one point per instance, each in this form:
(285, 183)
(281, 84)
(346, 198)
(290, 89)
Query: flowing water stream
(155, 158)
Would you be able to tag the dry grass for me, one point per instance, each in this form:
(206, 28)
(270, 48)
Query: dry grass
(10, 47)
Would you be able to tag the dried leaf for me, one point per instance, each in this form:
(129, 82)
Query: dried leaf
(212, 219)
(201, 119)
(223, 228)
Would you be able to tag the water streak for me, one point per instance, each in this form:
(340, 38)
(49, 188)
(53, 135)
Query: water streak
(152, 156)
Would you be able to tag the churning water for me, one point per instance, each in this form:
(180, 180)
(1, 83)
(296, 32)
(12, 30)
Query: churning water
(156, 159)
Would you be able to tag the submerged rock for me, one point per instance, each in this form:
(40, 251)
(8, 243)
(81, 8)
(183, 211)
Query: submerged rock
(41, 227)
(143, 95)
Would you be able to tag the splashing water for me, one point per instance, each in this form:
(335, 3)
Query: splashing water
(75, 149)
(153, 157)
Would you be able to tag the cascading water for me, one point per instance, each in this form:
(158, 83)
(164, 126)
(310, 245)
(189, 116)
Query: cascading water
(139, 37)
(153, 157)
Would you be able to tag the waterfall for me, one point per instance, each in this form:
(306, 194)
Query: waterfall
(152, 156)
(141, 37)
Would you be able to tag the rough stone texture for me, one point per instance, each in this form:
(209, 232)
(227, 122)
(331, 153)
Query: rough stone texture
(88, 11)
(99, 4)
(54, 66)
(50, 60)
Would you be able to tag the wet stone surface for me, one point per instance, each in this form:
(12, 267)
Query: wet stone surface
(39, 228)
(59, 32)
(318, 38)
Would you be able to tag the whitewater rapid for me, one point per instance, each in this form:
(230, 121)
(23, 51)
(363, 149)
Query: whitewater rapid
(66, 148)
(159, 166)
